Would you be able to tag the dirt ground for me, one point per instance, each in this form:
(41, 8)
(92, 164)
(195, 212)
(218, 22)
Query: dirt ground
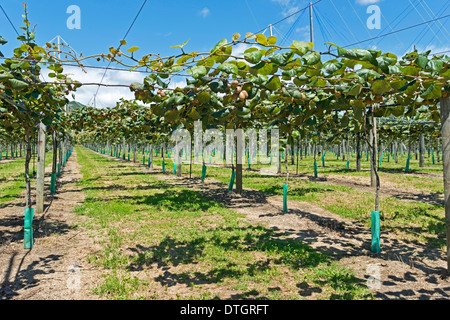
(56, 268)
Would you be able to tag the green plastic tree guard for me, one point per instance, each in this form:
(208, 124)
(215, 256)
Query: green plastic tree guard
(28, 228)
(285, 189)
(203, 172)
(58, 171)
(347, 165)
(174, 168)
(381, 160)
(53, 183)
(143, 160)
(315, 169)
(407, 164)
(375, 246)
(432, 156)
(164, 166)
(323, 160)
(233, 175)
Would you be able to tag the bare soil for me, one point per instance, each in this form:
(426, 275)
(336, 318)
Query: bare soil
(56, 267)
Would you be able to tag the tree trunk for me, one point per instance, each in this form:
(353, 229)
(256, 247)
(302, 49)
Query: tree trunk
(374, 162)
(358, 152)
(445, 132)
(239, 161)
(40, 170)
(374, 149)
(55, 153)
(28, 136)
(422, 151)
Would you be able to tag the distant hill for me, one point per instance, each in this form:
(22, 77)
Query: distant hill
(73, 105)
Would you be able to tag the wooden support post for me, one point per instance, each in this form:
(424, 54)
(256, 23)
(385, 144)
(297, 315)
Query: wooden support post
(422, 151)
(40, 170)
(445, 131)
(373, 162)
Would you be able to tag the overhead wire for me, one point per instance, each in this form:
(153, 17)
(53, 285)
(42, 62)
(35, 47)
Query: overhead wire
(429, 27)
(124, 37)
(343, 20)
(423, 33)
(396, 31)
(10, 22)
(432, 15)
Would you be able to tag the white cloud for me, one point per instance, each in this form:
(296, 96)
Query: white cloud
(283, 3)
(367, 2)
(302, 33)
(204, 12)
(107, 96)
(238, 50)
(290, 11)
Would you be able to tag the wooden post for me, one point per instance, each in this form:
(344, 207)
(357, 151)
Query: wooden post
(373, 162)
(445, 132)
(358, 151)
(40, 170)
(422, 151)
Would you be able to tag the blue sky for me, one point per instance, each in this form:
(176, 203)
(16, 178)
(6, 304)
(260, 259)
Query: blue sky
(171, 22)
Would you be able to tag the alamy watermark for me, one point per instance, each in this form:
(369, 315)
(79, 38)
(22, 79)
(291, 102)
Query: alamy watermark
(230, 147)
(74, 20)
(374, 280)
(73, 281)
(374, 20)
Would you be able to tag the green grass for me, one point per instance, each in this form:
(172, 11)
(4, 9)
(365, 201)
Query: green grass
(420, 219)
(12, 177)
(155, 235)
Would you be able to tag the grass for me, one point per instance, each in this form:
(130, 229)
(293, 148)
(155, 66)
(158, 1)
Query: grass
(156, 237)
(12, 177)
(418, 218)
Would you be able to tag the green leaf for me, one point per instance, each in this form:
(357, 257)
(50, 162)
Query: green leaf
(218, 85)
(219, 44)
(17, 84)
(422, 61)
(311, 58)
(281, 59)
(301, 48)
(433, 92)
(435, 65)
(197, 71)
(181, 45)
(271, 40)
(367, 74)
(236, 36)
(353, 90)
(380, 86)
(2, 40)
(264, 68)
(261, 39)
(332, 67)
(273, 84)
(203, 97)
(133, 49)
(410, 71)
(5, 76)
(228, 68)
(253, 56)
